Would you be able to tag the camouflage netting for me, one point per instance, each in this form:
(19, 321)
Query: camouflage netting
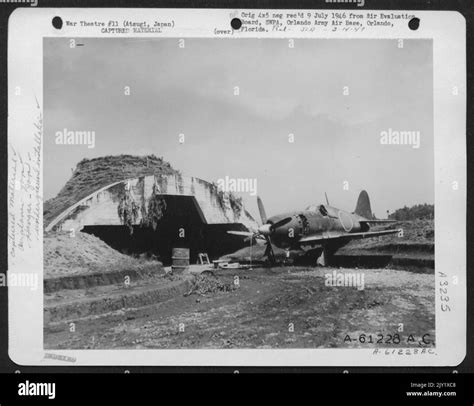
(128, 210)
(156, 208)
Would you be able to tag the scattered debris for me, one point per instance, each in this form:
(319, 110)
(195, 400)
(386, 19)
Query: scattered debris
(203, 258)
(223, 264)
(208, 272)
(229, 265)
(203, 284)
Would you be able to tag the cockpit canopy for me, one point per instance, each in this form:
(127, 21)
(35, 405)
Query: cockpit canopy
(324, 210)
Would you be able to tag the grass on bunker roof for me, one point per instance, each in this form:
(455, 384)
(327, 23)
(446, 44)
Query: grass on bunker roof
(93, 174)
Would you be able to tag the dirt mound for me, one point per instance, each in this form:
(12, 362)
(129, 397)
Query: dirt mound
(417, 233)
(413, 252)
(85, 253)
(93, 174)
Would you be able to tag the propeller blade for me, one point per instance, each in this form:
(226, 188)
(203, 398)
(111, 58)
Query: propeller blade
(254, 238)
(280, 223)
(261, 209)
(244, 233)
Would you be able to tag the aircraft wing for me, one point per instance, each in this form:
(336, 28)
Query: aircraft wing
(334, 235)
(377, 221)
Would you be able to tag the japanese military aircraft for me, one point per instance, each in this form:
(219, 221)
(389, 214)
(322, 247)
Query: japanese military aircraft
(319, 227)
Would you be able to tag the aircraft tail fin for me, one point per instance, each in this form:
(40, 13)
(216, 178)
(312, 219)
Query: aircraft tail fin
(363, 206)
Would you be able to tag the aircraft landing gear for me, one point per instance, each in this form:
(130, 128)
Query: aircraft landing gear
(321, 260)
(325, 256)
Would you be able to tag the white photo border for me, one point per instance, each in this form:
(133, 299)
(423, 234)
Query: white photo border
(28, 27)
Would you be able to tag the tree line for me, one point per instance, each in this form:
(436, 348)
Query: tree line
(418, 211)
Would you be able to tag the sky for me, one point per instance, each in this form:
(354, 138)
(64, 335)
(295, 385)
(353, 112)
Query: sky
(282, 91)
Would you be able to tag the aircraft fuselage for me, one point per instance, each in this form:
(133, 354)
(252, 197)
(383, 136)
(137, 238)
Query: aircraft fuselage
(313, 221)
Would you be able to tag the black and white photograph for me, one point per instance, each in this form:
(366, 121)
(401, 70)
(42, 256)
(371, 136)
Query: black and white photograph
(199, 188)
(238, 193)
(237, 188)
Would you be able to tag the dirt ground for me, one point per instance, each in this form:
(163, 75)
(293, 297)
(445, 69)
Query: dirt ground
(285, 307)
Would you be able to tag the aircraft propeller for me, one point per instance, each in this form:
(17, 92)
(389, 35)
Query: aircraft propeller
(265, 230)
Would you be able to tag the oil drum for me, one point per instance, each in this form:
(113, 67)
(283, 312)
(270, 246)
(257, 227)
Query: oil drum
(180, 260)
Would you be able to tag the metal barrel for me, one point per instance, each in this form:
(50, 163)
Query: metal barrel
(180, 260)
